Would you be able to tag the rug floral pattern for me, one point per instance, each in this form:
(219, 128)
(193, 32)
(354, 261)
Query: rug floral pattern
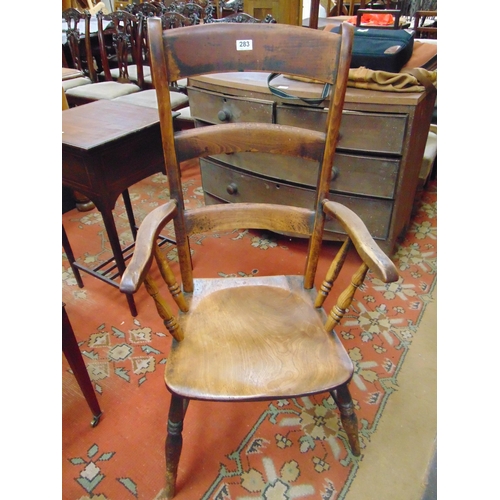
(287, 449)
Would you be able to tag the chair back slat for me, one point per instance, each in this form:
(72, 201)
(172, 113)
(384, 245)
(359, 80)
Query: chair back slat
(232, 44)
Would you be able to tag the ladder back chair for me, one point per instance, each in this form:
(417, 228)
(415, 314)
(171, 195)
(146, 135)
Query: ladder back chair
(258, 338)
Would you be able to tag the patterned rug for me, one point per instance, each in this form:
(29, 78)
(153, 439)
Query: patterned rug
(287, 449)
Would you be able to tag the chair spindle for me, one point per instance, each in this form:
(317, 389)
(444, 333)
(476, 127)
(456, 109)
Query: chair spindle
(345, 298)
(163, 309)
(332, 273)
(168, 276)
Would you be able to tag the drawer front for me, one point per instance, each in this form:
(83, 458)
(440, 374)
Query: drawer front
(352, 174)
(238, 187)
(215, 108)
(366, 132)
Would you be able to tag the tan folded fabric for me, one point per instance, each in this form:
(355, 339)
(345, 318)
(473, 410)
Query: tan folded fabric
(364, 78)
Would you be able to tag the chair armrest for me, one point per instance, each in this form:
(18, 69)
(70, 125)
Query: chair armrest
(147, 235)
(367, 248)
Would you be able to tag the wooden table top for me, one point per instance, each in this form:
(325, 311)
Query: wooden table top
(100, 122)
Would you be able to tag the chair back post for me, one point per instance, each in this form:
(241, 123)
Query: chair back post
(161, 83)
(336, 105)
(88, 49)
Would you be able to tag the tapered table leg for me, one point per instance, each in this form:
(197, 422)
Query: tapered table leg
(77, 365)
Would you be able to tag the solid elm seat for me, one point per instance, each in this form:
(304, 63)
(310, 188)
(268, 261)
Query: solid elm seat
(264, 355)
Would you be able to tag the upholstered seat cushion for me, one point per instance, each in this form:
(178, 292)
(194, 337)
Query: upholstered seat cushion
(147, 98)
(148, 79)
(430, 155)
(103, 90)
(182, 82)
(185, 115)
(75, 82)
(132, 72)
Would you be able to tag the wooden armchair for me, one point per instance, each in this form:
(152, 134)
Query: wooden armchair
(267, 337)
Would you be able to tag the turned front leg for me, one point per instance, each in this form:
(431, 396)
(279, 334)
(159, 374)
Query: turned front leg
(348, 417)
(173, 443)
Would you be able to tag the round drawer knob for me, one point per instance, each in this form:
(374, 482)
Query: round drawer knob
(335, 172)
(232, 188)
(223, 115)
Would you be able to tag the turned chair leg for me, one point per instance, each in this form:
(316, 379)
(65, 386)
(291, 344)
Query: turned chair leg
(173, 443)
(348, 417)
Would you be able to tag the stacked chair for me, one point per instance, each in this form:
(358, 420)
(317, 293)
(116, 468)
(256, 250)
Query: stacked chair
(125, 33)
(122, 57)
(78, 57)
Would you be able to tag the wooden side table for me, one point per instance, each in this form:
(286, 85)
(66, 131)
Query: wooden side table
(108, 146)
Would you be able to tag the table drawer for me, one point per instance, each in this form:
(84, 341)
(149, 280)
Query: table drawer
(229, 185)
(352, 174)
(359, 131)
(214, 108)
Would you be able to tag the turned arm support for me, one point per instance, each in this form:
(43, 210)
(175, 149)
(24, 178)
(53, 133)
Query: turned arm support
(145, 244)
(371, 254)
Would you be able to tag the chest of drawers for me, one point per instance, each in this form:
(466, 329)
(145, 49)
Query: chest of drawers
(379, 153)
